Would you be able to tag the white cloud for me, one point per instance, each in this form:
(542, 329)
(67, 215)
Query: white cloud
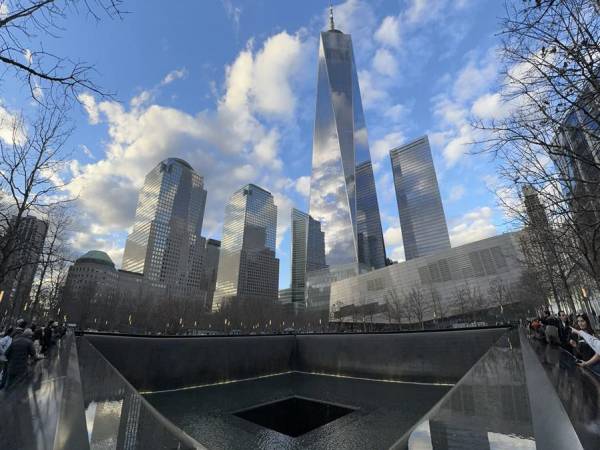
(467, 97)
(457, 192)
(89, 104)
(381, 147)
(371, 94)
(174, 75)
(303, 186)
(476, 77)
(11, 127)
(397, 254)
(234, 13)
(355, 17)
(262, 82)
(393, 236)
(28, 56)
(388, 32)
(385, 63)
(458, 146)
(229, 145)
(422, 10)
(473, 226)
(280, 59)
(87, 152)
(265, 150)
(4, 10)
(393, 242)
(396, 112)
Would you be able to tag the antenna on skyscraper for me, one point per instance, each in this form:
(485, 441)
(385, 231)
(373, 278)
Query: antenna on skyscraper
(331, 25)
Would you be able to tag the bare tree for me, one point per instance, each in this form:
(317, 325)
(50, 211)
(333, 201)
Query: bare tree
(416, 304)
(23, 53)
(394, 306)
(546, 135)
(439, 309)
(30, 182)
(53, 260)
(499, 294)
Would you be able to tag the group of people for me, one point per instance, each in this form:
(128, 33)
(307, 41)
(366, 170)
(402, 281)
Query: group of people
(575, 334)
(24, 343)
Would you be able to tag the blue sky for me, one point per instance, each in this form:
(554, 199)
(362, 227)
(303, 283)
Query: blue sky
(230, 87)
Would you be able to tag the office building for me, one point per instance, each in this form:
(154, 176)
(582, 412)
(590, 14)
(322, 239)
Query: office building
(452, 283)
(422, 219)
(22, 263)
(89, 290)
(210, 265)
(165, 244)
(248, 268)
(371, 248)
(308, 251)
(342, 191)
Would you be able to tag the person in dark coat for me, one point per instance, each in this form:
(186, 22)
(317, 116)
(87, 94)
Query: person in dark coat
(564, 330)
(47, 342)
(18, 355)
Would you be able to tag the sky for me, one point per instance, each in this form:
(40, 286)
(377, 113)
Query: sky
(230, 86)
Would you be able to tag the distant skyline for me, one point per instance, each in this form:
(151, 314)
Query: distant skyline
(230, 87)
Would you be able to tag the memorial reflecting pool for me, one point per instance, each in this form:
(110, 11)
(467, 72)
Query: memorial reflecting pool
(379, 412)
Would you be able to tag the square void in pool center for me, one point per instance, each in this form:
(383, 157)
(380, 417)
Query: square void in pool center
(294, 416)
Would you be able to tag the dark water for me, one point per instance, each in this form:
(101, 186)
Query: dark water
(382, 411)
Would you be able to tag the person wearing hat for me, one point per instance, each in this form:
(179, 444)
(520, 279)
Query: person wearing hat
(18, 354)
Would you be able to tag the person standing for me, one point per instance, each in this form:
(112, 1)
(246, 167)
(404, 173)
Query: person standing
(5, 342)
(593, 343)
(47, 341)
(551, 324)
(564, 329)
(582, 350)
(18, 355)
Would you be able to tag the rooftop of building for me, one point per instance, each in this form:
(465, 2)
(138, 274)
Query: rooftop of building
(98, 257)
(254, 186)
(178, 160)
(410, 144)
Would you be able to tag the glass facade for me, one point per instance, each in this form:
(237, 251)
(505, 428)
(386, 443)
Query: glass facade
(165, 244)
(342, 196)
(247, 263)
(371, 249)
(308, 251)
(422, 219)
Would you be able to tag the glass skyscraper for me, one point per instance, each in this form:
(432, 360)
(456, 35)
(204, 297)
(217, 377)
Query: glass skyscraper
(247, 264)
(308, 251)
(422, 219)
(342, 196)
(165, 244)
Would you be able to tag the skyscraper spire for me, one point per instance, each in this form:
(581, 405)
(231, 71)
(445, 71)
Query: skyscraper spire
(331, 25)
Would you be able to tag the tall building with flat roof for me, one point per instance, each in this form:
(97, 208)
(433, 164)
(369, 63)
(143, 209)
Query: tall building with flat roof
(371, 248)
(308, 251)
(165, 244)
(22, 263)
(248, 267)
(342, 190)
(422, 219)
(210, 268)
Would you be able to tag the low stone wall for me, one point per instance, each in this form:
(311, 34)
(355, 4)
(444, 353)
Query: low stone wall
(429, 357)
(155, 363)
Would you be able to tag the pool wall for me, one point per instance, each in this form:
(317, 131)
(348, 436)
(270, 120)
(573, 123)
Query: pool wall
(154, 363)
